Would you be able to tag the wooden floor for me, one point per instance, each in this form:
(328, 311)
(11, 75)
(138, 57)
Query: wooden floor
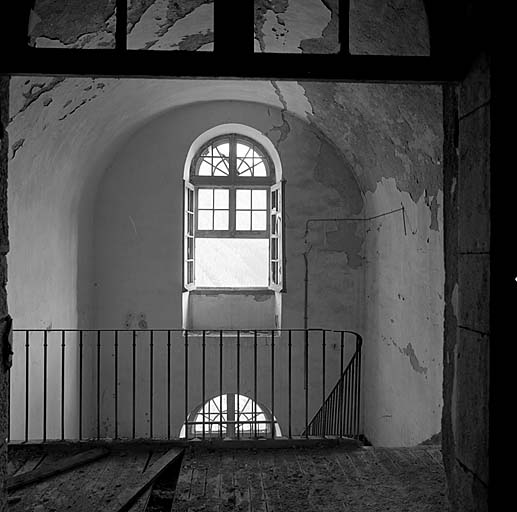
(301, 479)
(311, 480)
(92, 487)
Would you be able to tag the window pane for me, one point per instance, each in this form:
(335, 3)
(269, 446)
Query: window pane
(259, 199)
(221, 219)
(204, 219)
(221, 201)
(205, 198)
(258, 221)
(205, 169)
(223, 149)
(243, 199)
(260, 169)
(243, 220)
(232, 262)
(243, 150)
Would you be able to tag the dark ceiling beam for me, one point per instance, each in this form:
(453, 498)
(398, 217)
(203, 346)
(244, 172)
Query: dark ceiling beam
(234, 27)
(208, 65)
(121, 25)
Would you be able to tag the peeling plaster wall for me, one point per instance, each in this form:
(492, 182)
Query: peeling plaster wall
(391, 137)
(65, 132)
(4, 247)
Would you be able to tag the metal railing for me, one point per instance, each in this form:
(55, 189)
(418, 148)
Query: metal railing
(127, 384)
(340, 413)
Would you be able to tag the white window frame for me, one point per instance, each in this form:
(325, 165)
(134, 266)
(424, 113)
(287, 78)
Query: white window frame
(275, 225)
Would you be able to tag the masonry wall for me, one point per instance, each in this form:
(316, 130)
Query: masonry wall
(467, 339)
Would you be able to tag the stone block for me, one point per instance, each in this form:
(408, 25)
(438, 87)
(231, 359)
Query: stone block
(474, 182)
(472, 399)
(475, 89)
(474, 291)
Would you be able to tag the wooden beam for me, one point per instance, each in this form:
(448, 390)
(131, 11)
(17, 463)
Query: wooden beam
(60, 466)
(208, 65)
(121, 26)
(125, 500)
(234, 28)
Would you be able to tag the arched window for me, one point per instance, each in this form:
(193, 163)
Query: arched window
(230, 416)
(233, 217)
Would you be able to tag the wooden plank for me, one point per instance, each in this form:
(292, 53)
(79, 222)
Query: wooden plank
(141, 482)
(21, 480)
(140, 504)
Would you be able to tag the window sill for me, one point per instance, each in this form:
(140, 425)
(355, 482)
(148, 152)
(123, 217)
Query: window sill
(232, 291)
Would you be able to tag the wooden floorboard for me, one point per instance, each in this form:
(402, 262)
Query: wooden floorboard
(312, 480)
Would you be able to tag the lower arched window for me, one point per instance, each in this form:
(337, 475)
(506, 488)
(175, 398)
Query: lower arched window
(231, 416)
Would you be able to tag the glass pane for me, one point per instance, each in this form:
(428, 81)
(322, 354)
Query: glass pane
(242, 220)
(260, 169)
(274, 248)
(273, 224)
(205, 169)
(205, 198)
(223, 149)
(243, 199)
(243, 168)
(231, 262)
(259, 199)
(221, 200)
(243, 150)
(204, 219)
(258, 221)
(221, 219)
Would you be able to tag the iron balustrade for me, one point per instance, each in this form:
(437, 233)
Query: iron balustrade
(162, 384)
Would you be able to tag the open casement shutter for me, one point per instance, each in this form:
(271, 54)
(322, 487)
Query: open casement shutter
(188, 236)
(276, 238)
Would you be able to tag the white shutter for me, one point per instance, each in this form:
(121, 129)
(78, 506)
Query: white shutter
(276, 238)
(188, 236)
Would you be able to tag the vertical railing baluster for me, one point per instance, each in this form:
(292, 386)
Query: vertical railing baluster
(186, 332)
(341, 404)
(63, 335)
(27, 366)
(273, 383)
(346, 402)
(133, 419)
(237, 415)
(290, 382)
(151, 376)
(80, 385)
(203, 384)
(221, 384)
(45, 344)
(116, 383)
(168, 384)
(306, 381)
(98, 384)
(255, 382)
(358, 351)
(323, 346)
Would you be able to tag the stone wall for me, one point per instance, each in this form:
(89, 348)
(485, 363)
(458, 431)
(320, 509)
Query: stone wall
(465, 422)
